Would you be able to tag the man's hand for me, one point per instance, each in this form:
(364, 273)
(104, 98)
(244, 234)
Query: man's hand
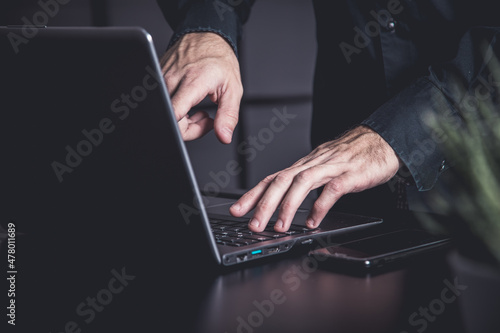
(357, 161)
(198, 65)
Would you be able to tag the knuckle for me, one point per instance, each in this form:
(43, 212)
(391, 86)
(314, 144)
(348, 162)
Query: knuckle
(320, 207)
(304, 177)
(171, 81)
(268, 179)
(286, 206)
(190, 76)
(334, 188)
(263, 205)
(283, 178)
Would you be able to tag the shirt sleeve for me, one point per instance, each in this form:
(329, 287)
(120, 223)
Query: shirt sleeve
(449, 89)
(224, 17)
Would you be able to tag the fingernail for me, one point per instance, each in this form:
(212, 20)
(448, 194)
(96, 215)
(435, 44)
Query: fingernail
(279, 224)
(236, 206)
(254, 222)
(310, 223)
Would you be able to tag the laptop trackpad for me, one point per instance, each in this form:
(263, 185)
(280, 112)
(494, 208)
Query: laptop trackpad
(220, 206)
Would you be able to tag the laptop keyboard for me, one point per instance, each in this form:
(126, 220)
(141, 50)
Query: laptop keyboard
(237, 233)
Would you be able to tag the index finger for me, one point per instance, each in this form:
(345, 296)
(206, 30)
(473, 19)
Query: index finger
(248, 201)
(185, 97)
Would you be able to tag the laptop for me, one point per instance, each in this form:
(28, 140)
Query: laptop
(90, 145)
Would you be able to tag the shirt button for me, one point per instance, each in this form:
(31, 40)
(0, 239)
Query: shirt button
(391, 25)
(443, 165)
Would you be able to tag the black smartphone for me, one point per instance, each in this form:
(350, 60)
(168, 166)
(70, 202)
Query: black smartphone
(377, 251)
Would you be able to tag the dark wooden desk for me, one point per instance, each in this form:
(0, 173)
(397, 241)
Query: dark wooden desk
(295, 295)
(288, 294)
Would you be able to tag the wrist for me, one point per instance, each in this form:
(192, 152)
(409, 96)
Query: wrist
(390, 155)
(196, 33)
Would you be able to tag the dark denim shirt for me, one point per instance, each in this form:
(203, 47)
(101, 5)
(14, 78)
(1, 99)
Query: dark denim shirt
(384, 64)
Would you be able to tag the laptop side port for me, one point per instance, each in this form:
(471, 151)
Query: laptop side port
(271, 250)
(241, 257)
(256, 253)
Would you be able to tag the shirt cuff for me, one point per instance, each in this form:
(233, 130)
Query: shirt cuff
(401, 122)
(210, 16)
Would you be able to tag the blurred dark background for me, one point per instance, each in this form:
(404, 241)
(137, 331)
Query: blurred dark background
(277, 55)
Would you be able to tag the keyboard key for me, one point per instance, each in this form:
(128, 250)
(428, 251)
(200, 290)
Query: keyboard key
(228, 223)
(271, 234)
(237, 233)
(234, 234)
(219, 228)
(235, 244)
(218, 241)
(226, 239)
(243, 241)
(299, 228)
(257, 237)
(237, 228)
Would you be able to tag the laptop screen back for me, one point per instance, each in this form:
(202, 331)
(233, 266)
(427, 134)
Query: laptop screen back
(95, 174)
